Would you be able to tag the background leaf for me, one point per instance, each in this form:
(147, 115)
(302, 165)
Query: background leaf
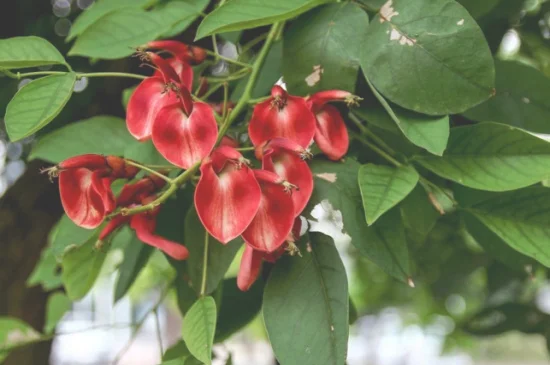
(14, 332)
(102, 135)
(429, 56)
(199, 325)
(136, 255)
(306, 305)
(22, 52)
(66, 234)
(37, 104)
(58, 304)
(322, 49)
(491, 156)
(179, 15)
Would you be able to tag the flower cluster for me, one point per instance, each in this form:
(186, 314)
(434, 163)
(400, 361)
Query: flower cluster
(233, 199)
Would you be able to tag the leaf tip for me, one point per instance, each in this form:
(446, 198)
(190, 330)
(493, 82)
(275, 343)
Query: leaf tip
(410, 282)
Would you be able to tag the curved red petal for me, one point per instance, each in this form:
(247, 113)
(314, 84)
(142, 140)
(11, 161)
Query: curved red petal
(229, 142)
(226, 204)
(293, 169)
(112, 225)
(147, 100)
(167, 72)
(103, 189)
(293, 120)
(331, 135)
(319, 99)
(89, 161)
(182, 69)
(251, 263)
(273, 221)
(80, 191)
(176, 48)
(144, 226)
(184, 140)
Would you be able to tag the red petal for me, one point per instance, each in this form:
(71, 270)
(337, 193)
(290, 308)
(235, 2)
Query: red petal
(285, 116)
(178, 49)
(183, 69)
(184, 140)
(273, 221)
(226, 204)
(293, 169)
(83, 196)
(149, 97)
(145, 225)
(167, 72)
(112, 225)
(319, 99)
(134, 193)
(89, 161)
(331, 135)
(229, 141)
(251, 264)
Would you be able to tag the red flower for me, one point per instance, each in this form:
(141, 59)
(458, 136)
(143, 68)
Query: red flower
(85, 186)
(331, 134)
(151, 95)
(183, 56)
(282, 115)
(273, 222)
(227, 195)
(185, 132)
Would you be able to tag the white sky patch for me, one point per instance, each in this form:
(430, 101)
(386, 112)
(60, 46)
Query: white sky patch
(330, 177)
(315, 76)
(395, 35)
(460, 22)
(387, 12)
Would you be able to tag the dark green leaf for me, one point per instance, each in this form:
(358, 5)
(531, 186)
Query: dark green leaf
(146, 153)
(37, 104)
(102, 135)
(136, 255)
(382, 187)
(418, 213)
(14, 333)
(306, 305)
(491, 156)
(237, 308)
(322, 49)
(117, 34)
(479, 8)
(58, 304)
(199, 325)
(220, 256)
(22, 52)
(178, 15)
(245, 14)
(429, 56)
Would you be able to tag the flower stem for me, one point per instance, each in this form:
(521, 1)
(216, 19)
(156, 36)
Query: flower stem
(79, 75)
(365, 130)
(204, 264)
(376, 149)
(218, 56)
(149, 170)
(111, 74)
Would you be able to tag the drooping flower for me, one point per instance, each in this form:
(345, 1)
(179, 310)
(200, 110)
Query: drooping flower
(227, 195)
(274, 220)
(151, 95)
(331, 134)
(282, 115)
(185, 132)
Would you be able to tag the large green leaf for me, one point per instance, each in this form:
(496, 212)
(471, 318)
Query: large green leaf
(430, 133)
(322, 49)
(237, 308)
(492, 156)
(179, 354)
(136, 255)
(46, 272)
(520, 218)
(336, 188)
(306, 305)
(179, 15)
(522, 99)
(14, 333)
(146, 153)
(117, 34)
(382, 187)
(102, 135)
(68, 234)
(37, 103)
(21, 52)
(97, 10)
(220, 256)
(419, 216)
(479, 8)
(245, 14)
(58, 304)
(199, 325)
(429, 56)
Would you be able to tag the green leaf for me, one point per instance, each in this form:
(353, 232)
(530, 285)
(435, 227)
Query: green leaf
(491, 156)
(373, 5)
(179, 15)
(336, 188)
(522, 98)
(245, 14)
(418, 214)
(199, 325)
(520, 218)
(237, 308)
(81, 266)
(322, 49)
(118, 34)
(382, 187)
(58, 304)
(46, 273)
(306, 305)
(22, 52)
(37, 104)
(102, 135)
(14, 333)
(68, 234)
(430, 133)
(136, 255)
(97, 10)
(179, 354)
(479, 8)
(220, 256)
(146, 153)
(429, 56)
